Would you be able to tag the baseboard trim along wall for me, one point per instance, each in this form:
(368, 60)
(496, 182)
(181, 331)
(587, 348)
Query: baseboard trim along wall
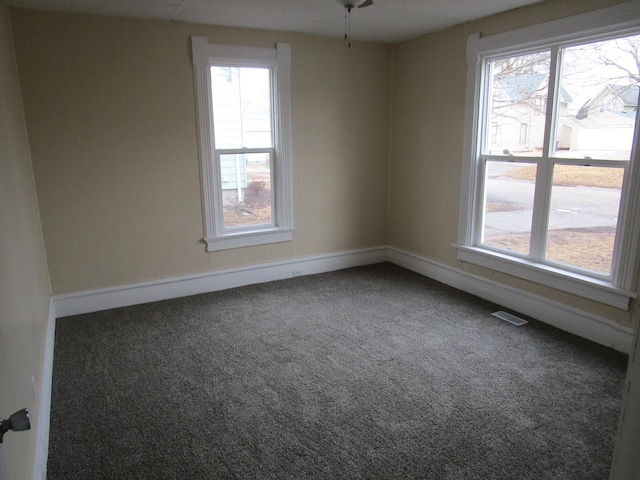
(573, 320)
(592, 327)
(167, 288)
(44, 406)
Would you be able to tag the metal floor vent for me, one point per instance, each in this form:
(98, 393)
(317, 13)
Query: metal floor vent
(507, 317)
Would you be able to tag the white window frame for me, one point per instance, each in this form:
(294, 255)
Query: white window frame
(615, 290)
(278, 60)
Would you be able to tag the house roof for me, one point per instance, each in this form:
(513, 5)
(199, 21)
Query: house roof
(522, 87)
(628, 94)
(604, 119)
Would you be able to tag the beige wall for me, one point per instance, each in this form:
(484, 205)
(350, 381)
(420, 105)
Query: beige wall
(111, 119)
(24, 284)
(428, 107)
(377, 134)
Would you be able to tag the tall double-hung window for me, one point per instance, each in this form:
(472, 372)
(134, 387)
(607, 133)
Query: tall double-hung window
(244, 134)
(552, 177)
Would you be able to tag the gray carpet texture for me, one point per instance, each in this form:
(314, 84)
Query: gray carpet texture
(367, 373)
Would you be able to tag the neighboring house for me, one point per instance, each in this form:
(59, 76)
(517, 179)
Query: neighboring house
(606, 121)
(612, 98)
(518, 113)
(242, 120)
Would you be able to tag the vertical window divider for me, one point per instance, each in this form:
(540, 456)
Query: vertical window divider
(555, 71)
(544, 172)
(481, 145)
(625, 259)
(217, 196)
(480, 204)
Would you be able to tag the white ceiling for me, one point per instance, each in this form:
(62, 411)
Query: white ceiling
(385, 21)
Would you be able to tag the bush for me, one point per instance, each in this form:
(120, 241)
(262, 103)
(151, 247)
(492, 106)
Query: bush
(256, 188)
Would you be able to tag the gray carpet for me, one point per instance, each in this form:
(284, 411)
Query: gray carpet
(372, 372)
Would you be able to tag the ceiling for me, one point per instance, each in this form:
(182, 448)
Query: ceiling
(385, 21)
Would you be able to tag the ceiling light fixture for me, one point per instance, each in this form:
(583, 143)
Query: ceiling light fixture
(348, 6)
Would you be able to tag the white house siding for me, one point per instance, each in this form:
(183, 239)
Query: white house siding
(605, 138)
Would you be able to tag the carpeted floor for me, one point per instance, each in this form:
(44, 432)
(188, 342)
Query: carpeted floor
(373, 372)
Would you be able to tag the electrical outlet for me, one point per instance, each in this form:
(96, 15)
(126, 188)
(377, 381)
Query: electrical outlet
(33, 389)
(297, 273)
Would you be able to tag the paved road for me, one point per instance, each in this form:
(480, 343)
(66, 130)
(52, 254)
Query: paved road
(572, 207)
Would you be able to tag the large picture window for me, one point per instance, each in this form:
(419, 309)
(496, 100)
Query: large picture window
(244, 136)
(551, 179)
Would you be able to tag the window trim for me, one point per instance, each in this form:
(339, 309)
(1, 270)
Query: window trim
(278, 59)
(592, 26)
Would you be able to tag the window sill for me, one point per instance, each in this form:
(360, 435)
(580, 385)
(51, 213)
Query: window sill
(581, 285)
(248, 239)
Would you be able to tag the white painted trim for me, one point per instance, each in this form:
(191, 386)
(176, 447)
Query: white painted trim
(563, 31)
(133, 294)
(44, 405)
(248, 239)
(205, 53)
(587, 287)
(472, 137)
(618, 20)
(592, 327)
(278, 60)
(283, 139)
(586, 325)
(208, 172)
(626, 259)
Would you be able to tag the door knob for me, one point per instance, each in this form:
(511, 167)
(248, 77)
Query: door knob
(17, 422)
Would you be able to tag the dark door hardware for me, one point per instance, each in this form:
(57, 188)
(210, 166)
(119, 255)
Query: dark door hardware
(17, 422)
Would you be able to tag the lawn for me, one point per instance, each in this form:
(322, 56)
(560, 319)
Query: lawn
(574, 176)
(582, 248)
(587, 248)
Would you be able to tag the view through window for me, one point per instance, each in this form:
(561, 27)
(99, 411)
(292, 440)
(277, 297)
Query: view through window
(243, 106)
(558, 135)
(241, 100)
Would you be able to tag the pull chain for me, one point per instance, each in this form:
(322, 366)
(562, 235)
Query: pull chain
(347, 25)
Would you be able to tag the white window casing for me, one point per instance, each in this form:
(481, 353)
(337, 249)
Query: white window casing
(278, 60)
(602, 24)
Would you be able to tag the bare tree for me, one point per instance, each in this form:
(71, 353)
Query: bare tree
(587, 67)
(623, 55)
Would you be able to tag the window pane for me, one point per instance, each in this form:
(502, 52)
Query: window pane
(519, 88)
(508, 205)
(246, 189)
(599, 100)
(241, 107)
(583, 216)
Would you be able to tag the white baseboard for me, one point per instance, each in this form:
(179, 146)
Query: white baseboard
(578, 322)
(44, 406)
(164, 289)
(592, 327)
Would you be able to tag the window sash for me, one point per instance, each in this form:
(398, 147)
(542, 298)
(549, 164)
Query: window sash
(220, 203)
(278, 59)
(273, 111)
(545, 168)
(617, 289)
(540, 230)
